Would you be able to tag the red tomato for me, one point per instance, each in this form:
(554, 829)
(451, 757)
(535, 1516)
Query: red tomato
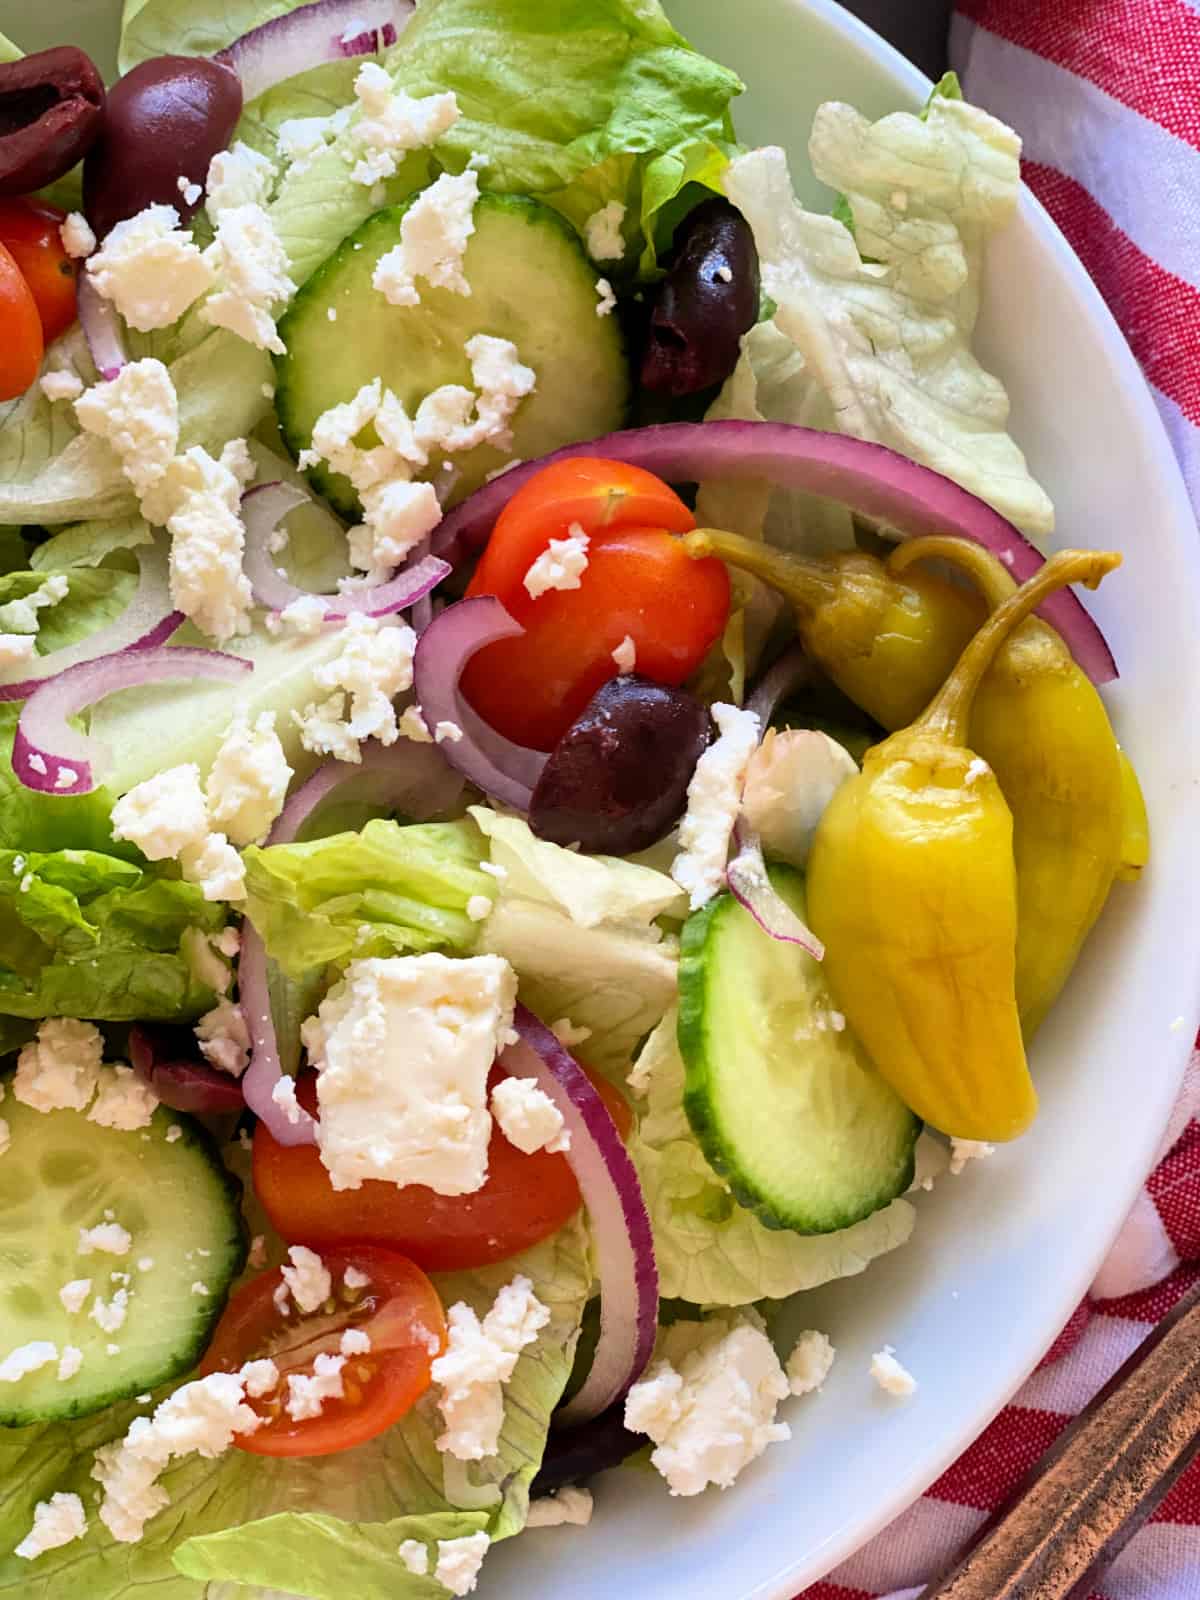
(21, 342)
(638, 582)
(29, 231)
(526, 1198)
(400, 1312)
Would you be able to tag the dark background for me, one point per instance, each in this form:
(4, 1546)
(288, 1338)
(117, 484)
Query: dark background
(917, 27)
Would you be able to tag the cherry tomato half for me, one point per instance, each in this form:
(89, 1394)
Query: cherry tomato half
(638, 582)
(526, 1198)
(398, 1310)
(29, 231)
(21, 342)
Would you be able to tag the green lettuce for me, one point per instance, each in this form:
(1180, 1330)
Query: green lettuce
(321, 1527)
(8, 50)
(386, 890)
(710, 1250)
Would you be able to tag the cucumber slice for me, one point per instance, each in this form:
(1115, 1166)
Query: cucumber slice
(531, 282)
(63, 1173)
(786, 1106)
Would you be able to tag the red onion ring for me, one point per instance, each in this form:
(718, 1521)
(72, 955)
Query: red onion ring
(311, 35)
(417, 780)
(163, 1062)
(101, 328)
(51, 757)
(612, 1193)
(753, 890)
(506, 771)
(868, 478)
(264, 508)
(791, 671)
(146, 621)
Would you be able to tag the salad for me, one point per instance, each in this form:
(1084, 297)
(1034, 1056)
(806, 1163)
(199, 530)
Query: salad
(546, 783)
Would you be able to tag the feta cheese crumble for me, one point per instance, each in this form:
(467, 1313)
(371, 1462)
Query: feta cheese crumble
(150, 269)
(891, 1377)
(714, 798)
(606, 302)
(190, 191)
(74, 1295)
(123, 1101)
(398, 515)
(459, 1561)
(709, 1402)
(479, 1358)
(167, 816)
(260, 1377)
(137, 415)
(570, 1507)
(391, 123)
(355, 1342)
(403, 1047)
(27, 1358)
(62, 384)
(109, 1237)
(69, 1363)
(561, 564)
(372, 668)
(238, 177)
(283, 1093)
(963, 1151)
(56, 1522)
(527, 1117)
(625, 655)
(250, 266)
(307, 1277)
(208, 540)
(109, 1315)
(224, 1038)
(77, 237)
(602, 232)
(17, 650)
(810, 1362)
(433, 240)
(60, 1069)
(415, 1557)
(249, 778)
(307, 1395)
(300, 140)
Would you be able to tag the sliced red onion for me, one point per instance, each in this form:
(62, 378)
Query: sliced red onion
(146, 621)
(415, 779)
(868, 478)
(612, 1193)
(101, 328)
(329, 30)
(162, 1059)
(752, 888)
(265, 507)
(50, 756)
(573, 1455)
(506, 771)
(791, 671)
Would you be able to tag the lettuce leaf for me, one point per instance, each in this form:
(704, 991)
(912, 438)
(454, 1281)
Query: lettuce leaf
(306, 1526)
(709, 1249)
(8, 50)
(386, 890)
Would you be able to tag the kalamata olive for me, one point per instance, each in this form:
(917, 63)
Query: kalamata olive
(705, 303)
(51, 107)
(617, 779)
(166, 119)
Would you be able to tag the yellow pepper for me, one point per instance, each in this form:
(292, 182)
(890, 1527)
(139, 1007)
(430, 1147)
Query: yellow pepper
(912, 888)
(887, 641)
(1078, 814)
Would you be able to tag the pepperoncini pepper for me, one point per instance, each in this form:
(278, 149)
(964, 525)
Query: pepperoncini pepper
(1078, 815)
(887, 641)
(912, 888)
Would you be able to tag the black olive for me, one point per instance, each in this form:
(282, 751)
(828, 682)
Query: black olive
(617, 780)
(704, 305)
(51, 106)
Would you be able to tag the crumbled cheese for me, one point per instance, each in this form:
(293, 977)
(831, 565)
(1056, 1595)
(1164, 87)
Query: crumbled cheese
(250, 265)
(433, 240)
(66, 778)
(606, 302)
(307, 1395)
(18, 650)
(199, 1288)
(711, 1409)
(459, 1561)
(354, 1279)
(412, 726)
(495, 870)
(398, 516)
(60, 1069)
(527, 1116)
(714, 797)
(150, 269)
(963, 1151)
(27, 1358)
(890, 1375)
(77, 237)
(300, 140)
(391, 123)
(307, 1277)
(123, 1101)
(283, 1093)
(625, 655)
(569, 1507)
(415, 1557)
(109, 1237)
(977, 768)
(56, 1522)
(725, 274)
(602, 232)
(216, 868)
(260, 1378)
(305, 616)
(202, 1416)
(224, 1038)
(479, 1358)
(61, 385)
(190, 191)
(238, 177)
(109, 1315)
(208, 538)
(174, 1132)
(355, 1342)
(137, 414)
(249, 779)
(561, 564)
(447, 730)
(69, 1363)
(112, 1349)
(403, 1047)
(810, 1362)
(479, 908)
(163, 815)
(74, 1295)
(373, 667)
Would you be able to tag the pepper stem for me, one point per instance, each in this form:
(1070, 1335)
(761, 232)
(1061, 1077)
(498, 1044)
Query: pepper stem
(994, 581)
(948, 712)
(807, 583)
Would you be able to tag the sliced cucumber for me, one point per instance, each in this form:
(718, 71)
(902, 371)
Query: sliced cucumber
(784, 1101)
(62, 1174)
(530, 282)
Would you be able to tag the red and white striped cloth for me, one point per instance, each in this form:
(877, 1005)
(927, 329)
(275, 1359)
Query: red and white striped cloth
(1106, 96)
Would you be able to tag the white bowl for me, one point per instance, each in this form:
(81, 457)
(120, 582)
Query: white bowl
(1002, 1255)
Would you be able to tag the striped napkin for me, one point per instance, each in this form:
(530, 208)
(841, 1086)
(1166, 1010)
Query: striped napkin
(1106, 97)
